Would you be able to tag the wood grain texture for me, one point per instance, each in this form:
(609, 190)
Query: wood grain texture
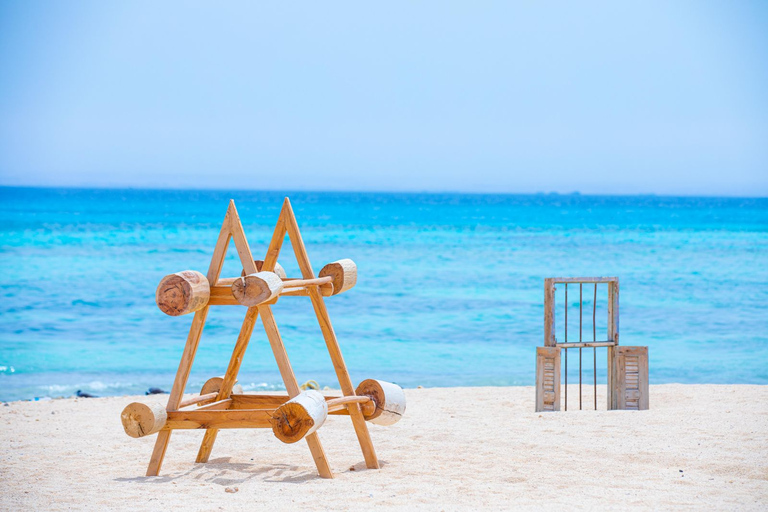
(300, 416)
(141, 420)
(229, 381)
(547, 379)
(584, 279)
(549, 313)
(630, 384)
(197, 419)
(358, 421)
(254, 289)
(367, 404)
(343, 274)
(292, 386)
(388, 398)
(278, 269)
(193, 339)
(183, 292)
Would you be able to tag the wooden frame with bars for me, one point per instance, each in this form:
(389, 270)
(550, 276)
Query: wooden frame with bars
(627, 367)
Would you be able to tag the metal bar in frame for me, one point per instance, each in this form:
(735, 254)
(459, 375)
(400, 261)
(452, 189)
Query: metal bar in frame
(594, 338)
(581, 302)
(566, 350)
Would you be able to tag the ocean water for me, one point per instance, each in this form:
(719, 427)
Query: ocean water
(450, 287)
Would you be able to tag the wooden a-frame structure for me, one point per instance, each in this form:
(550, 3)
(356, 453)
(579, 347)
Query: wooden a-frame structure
(220, 294)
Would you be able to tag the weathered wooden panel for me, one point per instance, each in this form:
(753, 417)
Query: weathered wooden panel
(549, 313)
(628, 388)
(547, 379)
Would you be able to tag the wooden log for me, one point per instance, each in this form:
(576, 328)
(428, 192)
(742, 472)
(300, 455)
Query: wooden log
(389, 399)
(141, 420)
(343, 273)
(300, 416)
(213, 385)
(182, 293)
(255, 289)
(279, 270)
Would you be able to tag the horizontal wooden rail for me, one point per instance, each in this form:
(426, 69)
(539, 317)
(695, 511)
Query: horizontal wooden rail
(586, 344)
(244, 418)
(296, 283)
(248, 401)
(338, 404)
(222, 295)
(582, 279)
(197, 399)
(217, 406)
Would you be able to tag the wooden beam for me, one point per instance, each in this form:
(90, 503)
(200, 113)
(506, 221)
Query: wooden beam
(218, 419)
(230, 378)
(549, 313)
(292, 385)
(358, 421)
(250, 401)
(586, 344)
(197, 399)
(342, 403)
(235, 228)
(317, 281)
(190, 348)
(583, 279)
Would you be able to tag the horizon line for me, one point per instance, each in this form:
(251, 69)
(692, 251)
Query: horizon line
(388, 192)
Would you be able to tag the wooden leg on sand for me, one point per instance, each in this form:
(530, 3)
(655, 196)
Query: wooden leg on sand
(358, 421)
(229, 378)
(177, 392)
(158, 453)
(292, 385)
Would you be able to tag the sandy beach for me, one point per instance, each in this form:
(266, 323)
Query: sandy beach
(699, 447)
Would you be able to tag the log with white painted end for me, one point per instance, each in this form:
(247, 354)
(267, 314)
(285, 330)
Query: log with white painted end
(389, 399)
(141, 420)
(279, 270)
(299, 416)
(255, 289)
(182, 293)
(343, 273)
(213, 385)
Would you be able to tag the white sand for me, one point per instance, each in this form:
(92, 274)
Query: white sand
(702, 447)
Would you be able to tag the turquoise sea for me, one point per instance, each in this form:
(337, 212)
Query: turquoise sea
(450, 288)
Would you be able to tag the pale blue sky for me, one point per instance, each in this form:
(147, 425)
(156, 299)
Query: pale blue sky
(597, 97)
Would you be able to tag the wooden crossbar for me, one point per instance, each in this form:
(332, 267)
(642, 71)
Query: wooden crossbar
(586, 344)
(243, 418)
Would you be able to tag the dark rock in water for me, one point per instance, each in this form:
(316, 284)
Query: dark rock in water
(82, 394)
(155, 391)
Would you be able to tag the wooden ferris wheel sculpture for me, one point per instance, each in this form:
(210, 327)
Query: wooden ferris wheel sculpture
(221, 403)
